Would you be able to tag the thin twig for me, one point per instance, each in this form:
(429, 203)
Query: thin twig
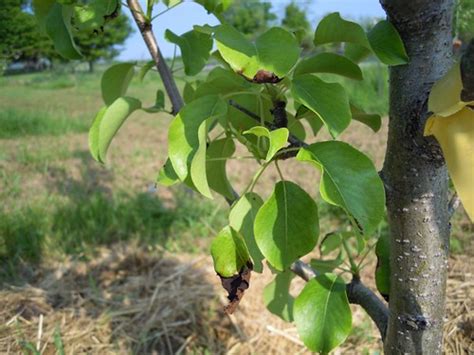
(146, 31)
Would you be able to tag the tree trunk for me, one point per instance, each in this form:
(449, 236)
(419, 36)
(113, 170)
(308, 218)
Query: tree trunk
(91, 66)
(416, 181)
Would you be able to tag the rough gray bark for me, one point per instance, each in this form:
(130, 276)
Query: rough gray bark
(416, 181)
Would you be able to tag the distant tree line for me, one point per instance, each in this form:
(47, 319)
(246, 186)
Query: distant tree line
(20, 40)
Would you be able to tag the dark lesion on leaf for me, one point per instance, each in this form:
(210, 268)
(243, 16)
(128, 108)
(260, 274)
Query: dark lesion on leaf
(236, 286)
(262, 77)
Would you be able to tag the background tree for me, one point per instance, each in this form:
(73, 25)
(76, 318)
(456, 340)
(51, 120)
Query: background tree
(102, 43)
(295, 20)
(251, 17)
(19, 35)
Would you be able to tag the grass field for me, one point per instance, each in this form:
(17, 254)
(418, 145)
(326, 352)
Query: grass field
(59, 207)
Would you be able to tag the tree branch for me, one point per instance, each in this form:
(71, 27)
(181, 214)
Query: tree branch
(146, 31)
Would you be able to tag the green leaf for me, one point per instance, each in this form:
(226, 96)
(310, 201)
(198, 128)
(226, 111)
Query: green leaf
(58, 28)
(349, 180)
(94, 134)
(159, 103)
(278, 51)
(327, 100)
(324, 266)
(275, 51)
(287, 225)
(382, 271)
(215, 6)
(329, 63)
(372, 120)
(277, 138)
(236, 50)
(229, 252)
(322, 314)
(107, 123)
(93, 14)
(314, 121)
(330, 242)
(188, 93)
(171, 3)
(145, 69)
(115, 81)
(195, 49)
(241, 218)
(187, 139)
(387, 44)
(41, 9)
(356, 52)
(277, 297)
(333, 28)
(167, 176)
(219, 150)
(295, 127)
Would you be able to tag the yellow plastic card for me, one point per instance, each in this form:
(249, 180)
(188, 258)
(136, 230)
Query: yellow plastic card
(445, 96)
(455, 134)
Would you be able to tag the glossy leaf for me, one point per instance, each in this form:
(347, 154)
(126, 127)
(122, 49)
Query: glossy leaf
(333, 28)
(314, 121)
(356, 52)
(331, 242)
(167, 176)
(217, 153)
(41, 9)
(215, 6)
(275, 51)
(241, 218)
(328, 100)
(329, 63)
(237, 50)
(92, 15)
(278, 138)
(188, 93)
(277, 298)
(94, 134)
(322, 314)
(287, 225)
(349, 180)
(387, 44)
(195, 49)
(115, 81)
(107, 123)
(187, 139)
(229, 252)
(58, 28)
(382, 271)
(328, 265)
(372, 120)
(145, 69)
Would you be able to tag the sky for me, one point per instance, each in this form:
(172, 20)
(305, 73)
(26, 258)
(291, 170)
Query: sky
(182, 18)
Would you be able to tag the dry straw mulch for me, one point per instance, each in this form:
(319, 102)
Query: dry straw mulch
(133, 300)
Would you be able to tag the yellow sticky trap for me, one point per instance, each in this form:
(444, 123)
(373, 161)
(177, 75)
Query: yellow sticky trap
(445, 96)
(455, 134)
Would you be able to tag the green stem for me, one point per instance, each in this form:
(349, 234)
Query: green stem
(354, 268)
